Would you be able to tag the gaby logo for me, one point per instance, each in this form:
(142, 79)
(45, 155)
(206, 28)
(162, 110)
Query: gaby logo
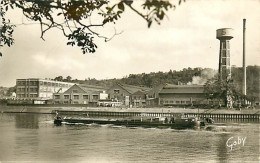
(232, 142)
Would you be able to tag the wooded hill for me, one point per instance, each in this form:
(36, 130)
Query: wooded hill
(184, 76)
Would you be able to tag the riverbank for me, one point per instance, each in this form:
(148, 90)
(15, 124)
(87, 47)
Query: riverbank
(46, 110)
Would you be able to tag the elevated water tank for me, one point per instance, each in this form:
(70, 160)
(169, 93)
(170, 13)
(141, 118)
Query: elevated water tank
(225, 33)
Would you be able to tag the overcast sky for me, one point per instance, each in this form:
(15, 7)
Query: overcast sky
(186, 39)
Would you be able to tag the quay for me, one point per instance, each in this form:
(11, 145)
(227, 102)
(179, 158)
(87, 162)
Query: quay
(222, 114)
(157, 114)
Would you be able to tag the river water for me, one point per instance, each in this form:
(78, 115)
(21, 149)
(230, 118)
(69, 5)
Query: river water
(34, 137)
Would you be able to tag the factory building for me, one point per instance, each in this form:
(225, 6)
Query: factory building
(176, 95)
(39, 89)
(128, 94)
(80, 94)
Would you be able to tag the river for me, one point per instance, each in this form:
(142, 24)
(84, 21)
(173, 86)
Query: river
(34, 137)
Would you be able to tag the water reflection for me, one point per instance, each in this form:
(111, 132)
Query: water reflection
(27, 121)
(222, 153)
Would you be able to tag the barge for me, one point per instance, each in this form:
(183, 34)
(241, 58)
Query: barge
(158, 122)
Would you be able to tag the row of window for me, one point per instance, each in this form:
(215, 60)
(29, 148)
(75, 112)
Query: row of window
(54, 84)
(138, 97)
(27, 89)
(35, 83)
(177, 102)
(26, 95)
(67, 102)
(75, 97)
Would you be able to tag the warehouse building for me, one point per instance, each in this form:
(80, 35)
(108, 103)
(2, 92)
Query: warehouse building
(80, 94)
(174, 95)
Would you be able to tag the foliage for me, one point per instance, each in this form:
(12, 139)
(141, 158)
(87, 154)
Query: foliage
(252, 81)
(218, 90)
(213, 88)
(74, 18)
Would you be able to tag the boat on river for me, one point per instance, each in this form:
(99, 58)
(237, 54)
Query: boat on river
(159, 122)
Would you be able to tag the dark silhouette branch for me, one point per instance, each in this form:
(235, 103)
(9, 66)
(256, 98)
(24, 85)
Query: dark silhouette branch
(73, 14)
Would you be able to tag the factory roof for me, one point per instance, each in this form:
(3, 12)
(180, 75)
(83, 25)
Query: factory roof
(179, 89)
(132, 89)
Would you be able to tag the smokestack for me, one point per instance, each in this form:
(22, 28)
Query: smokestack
(244, 57)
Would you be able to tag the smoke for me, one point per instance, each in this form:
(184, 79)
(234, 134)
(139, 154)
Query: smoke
(206, 74)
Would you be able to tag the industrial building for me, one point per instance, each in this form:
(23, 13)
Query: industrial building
(39, 89)
(177, 95)
(128, 94)
(80, 94)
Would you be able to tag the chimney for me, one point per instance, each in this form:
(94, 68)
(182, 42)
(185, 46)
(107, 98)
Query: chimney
(244, 57)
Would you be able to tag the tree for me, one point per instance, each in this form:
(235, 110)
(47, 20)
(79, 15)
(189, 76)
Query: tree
(74, 18)
(68, 78)
(59, 78)
(222, 91)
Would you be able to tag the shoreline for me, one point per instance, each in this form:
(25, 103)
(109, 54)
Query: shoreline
(48, 109)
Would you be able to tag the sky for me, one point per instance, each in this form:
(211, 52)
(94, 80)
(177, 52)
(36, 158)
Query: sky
(186, 39)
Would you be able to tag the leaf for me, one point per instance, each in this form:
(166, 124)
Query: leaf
(121, 6)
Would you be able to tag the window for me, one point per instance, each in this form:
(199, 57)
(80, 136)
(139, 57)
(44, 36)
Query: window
(76, 97)
(171, 102)
(56, 96)
(95, 97)
(75, 102)
(66, 96)
(224, 45)
(65, 102)
(166, 102)
(85, 96)
(177, 102)
(116, 91)
(183, 102)
(187, 102)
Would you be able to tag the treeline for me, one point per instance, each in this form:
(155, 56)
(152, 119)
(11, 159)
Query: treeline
(152, 79)
(184, 76)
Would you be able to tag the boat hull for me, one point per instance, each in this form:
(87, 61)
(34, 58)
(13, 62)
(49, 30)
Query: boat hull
(177, 124)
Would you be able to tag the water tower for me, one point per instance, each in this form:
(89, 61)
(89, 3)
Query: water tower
(224, 70)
